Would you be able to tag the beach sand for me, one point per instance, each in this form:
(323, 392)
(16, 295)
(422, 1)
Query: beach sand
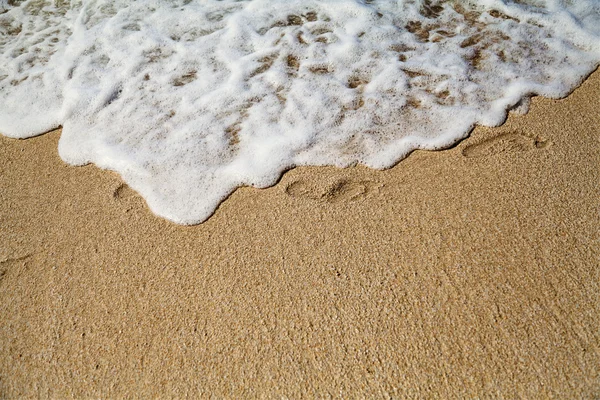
(469, 272)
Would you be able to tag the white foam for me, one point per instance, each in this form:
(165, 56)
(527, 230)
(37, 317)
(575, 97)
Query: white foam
(188, 100)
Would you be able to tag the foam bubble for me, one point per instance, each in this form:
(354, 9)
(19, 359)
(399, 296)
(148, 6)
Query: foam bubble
(188, 100)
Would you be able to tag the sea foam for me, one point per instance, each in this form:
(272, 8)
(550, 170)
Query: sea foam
(189, 100)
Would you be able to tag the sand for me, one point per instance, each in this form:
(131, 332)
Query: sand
(469, 272)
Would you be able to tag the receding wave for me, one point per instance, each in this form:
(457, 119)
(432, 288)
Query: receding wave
(189, 100)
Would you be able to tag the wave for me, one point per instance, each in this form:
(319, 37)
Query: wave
(189, 100)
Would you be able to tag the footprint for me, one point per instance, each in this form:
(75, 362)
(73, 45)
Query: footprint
(6, 264)
(303, 189)
(506, 142)
(11, 260)
(345, 190)
(125, 197)
(122, 192)
(339, 191)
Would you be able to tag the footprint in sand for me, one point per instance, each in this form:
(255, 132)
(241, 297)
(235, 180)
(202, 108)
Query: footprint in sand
(339, 191)
(6, 264)
(504, 143)
(125, 196)
(123, 192)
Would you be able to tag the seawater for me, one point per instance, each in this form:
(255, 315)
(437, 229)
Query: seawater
(190, 99)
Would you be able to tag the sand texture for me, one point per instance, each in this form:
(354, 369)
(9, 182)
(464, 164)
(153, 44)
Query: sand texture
(469, 272)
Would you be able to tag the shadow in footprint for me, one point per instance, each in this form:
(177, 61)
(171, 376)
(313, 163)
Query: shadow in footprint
(339, 191)
(504, 143)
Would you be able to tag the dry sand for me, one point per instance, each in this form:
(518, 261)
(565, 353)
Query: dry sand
(470, 272)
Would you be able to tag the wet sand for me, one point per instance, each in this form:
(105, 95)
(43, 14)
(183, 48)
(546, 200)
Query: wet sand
(469, 272)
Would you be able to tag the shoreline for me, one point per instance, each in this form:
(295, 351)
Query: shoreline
(466, 272)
